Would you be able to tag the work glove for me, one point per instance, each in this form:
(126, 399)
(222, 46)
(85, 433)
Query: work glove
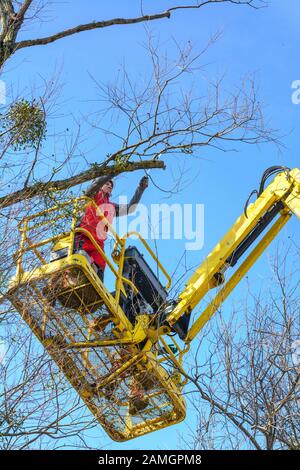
(144, 182)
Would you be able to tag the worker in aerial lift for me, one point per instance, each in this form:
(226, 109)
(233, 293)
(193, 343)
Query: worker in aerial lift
(92, 221)
(100, 191)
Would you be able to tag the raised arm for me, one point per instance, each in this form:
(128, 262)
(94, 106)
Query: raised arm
(124, 209)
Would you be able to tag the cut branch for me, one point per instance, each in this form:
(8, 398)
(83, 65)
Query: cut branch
(88, 27)
(97, 170)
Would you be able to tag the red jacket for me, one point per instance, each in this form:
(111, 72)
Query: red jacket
(95, 224)
(93, 221)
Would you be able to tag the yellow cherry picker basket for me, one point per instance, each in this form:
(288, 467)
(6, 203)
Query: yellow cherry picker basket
(117, 347)
(118, 362)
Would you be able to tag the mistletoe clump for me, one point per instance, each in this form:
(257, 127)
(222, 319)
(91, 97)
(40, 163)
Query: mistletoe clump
(25, 124)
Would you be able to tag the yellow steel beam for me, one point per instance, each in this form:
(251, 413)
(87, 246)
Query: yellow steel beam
(137, 335)
(292, 201)
(201, 281)
(236, 277)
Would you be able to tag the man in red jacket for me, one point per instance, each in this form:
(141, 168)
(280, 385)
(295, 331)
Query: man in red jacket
(92, 221)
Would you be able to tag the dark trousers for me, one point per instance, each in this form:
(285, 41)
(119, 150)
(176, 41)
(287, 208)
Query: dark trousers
(78, 246)
(100, 272)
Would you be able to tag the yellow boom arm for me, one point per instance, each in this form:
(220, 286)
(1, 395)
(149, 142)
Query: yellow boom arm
(280, 199)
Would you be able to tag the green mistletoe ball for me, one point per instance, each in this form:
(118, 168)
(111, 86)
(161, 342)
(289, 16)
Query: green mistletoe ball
(25, 123)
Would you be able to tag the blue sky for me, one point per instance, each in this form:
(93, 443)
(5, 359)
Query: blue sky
(264, 42)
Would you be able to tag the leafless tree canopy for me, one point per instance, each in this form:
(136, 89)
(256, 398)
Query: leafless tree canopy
(164, 115)
(37, 404)
(246, 374)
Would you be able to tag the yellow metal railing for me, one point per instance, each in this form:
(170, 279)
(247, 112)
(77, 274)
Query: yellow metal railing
(74, 210)
(152, 254)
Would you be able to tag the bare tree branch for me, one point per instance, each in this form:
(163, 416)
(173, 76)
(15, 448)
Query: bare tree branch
(11, 23)
(94, 172)
(88, 27)
(248, 383)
